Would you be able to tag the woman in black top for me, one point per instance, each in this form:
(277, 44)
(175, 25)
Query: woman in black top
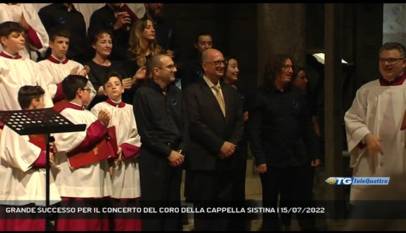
(231, 77)
(142, 46)
(101, 65)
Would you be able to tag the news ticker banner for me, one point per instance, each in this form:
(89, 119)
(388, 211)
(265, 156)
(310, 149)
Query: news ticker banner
(158, 210)
(374, 209)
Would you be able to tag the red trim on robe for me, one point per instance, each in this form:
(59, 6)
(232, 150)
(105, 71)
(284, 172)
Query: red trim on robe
(120, 105)
(127, 9)
(59, 95)
(82, 224)
(94, 133)
(6, 55)
(94, 222)
(396, 82)
(40, 141)
(361, 145)
(112, 141)
(126, 222)
(41, 161)
(22, 224)
(55, 60)
(403, 126)
(33, 38)
(129, 151)
(99, 152)
(65, 104)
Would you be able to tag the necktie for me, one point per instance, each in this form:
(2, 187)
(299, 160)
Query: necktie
(220, 99)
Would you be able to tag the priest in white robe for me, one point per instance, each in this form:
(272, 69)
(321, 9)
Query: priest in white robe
(375, 128)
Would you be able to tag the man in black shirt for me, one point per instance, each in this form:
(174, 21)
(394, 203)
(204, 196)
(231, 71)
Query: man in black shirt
(191, 67)
(159, 114)
(64, 15)
(283, 143)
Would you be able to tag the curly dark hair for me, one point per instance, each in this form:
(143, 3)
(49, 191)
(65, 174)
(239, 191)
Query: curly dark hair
(274, 67)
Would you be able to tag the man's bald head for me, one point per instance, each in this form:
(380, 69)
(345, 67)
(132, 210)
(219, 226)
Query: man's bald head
(162, 69)
(208, 54)
(213, 64)
(155, 61)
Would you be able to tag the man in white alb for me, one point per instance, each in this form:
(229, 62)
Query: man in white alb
(376, 141)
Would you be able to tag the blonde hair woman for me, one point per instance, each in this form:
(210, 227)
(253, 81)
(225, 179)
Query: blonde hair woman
(143, 45)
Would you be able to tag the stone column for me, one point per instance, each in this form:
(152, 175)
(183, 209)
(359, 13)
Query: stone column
(394, 23)
(281, 29)
(334, 197)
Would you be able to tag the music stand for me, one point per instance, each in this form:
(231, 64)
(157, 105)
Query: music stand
(40, 121)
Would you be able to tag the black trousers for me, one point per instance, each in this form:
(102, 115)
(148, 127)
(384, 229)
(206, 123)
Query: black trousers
(160, 187)
(239, 222)
(210, 189)
(293, 186)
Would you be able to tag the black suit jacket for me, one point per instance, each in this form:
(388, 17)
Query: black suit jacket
(208, 128)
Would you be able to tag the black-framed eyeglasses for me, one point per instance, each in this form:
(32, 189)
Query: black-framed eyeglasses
(287, 66)
(170, 67)
(217, 63)
(390, 60)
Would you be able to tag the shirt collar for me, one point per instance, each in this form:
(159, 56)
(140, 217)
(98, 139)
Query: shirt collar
(120, 104)
(61, 5)
(53, 59)
(273, 88)
(74, 106)
(396, 82)
(60, 106)
(210, 84)
(7, 55)
(155, 86)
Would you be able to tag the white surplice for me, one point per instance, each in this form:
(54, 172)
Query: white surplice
(15, 73)
(20, 183)
(13, 12)
(59, 71)
(126, 178)
(378, 110)
(92, 181)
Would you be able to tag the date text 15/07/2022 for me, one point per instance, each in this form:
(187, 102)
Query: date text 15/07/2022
(248, 210)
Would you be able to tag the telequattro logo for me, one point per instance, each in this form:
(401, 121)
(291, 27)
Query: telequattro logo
(358, 180)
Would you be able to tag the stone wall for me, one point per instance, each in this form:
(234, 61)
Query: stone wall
(233, 27)
(394, 22)
(281, 29)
